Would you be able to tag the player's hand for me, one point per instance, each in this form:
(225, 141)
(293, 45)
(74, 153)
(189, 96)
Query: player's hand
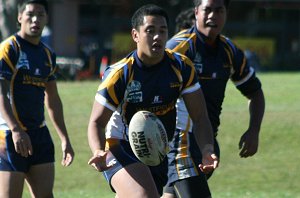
(68, 154)
(209, 162)
(98, 161)
(248, 143)
(22, 143)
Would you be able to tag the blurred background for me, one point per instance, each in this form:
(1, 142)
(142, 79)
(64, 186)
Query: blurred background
(87, 35)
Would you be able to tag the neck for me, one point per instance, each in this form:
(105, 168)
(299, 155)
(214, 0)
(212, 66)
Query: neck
(150, 61)
(30, 39)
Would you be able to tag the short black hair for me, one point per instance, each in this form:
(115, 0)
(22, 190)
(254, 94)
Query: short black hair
(185, 19)
(22, 4)
(198, 2)
(147, 10)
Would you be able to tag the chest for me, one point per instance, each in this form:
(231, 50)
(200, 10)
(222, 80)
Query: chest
(212, 64)
(157, 87)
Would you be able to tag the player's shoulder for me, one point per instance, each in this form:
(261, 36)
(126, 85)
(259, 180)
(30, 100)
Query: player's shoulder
(120, 67)
(47, 47)
(183, 40)
(178, 58)
(228, 43)
(185, 34)
(9, 43)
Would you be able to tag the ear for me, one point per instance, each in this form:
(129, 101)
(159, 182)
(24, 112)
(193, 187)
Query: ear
(196, 12)
(135, 36)
(19, 17)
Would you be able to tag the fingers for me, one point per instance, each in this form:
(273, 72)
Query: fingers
(209, 164)
(99, 162)
(23, 147)
(99, 165)
(67, 159)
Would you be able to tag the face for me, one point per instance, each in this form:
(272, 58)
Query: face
(211, 17)
(33, 20)
(151, 38)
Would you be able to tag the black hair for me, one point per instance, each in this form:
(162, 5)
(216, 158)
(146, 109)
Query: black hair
(147, 10)
(22, 4)
(185, 19)
(198, 2)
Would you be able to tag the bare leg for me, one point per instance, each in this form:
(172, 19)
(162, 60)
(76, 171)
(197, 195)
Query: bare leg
(168, 195)
(134, 181)
(11, 184)
(40, 180)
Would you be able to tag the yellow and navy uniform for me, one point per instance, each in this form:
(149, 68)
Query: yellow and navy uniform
(214, 65)
(28, 67)
(130, 86)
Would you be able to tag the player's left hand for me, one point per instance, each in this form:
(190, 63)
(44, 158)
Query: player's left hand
(209, 163)
(248, 143)
(68, 154)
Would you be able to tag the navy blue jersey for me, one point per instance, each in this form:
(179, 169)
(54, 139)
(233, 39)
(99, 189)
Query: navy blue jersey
(28, 67)
(214, 67)
(130, 86)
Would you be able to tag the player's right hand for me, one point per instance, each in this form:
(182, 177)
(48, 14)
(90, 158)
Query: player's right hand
(22, 143)
(98, 161)
(209, 163)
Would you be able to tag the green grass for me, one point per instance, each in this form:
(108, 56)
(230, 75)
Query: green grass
(273, 172)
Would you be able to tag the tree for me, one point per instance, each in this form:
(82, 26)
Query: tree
(8, 18)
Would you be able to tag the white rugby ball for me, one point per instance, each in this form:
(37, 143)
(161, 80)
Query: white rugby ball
(148, 138)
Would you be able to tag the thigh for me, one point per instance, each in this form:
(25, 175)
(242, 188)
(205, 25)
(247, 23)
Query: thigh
(40, 180)
(11, 184)
(193, 187)
(169, 192)
(134, 180)
(128, 176)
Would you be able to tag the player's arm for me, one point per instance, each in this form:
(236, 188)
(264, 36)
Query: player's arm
(249, 140)
(55, 111)
(21, 139)
(100, 116)
(195, 104)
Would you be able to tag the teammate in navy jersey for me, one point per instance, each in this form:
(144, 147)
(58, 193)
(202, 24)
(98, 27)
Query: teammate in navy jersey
(216, 60)
(150, 78)
(27, 83)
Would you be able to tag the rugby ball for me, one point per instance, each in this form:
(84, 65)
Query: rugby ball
(148, 138)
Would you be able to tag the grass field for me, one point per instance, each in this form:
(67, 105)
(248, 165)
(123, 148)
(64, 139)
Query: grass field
(273, 172)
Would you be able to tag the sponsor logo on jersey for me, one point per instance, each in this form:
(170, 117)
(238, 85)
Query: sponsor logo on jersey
(135, 97)
(37, 72)
(134, 86)
(157, 100)
(23, 63)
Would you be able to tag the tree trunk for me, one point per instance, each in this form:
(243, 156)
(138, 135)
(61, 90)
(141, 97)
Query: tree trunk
(8, 18)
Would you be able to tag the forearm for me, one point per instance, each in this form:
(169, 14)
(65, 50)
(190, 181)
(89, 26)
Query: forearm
(256, 110)
(96, 137)
(204, 136)
(55, 111)
(6, 109)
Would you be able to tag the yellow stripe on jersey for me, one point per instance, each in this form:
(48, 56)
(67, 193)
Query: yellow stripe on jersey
(4, 52)
(183, 46)
(243, 66)
(229, 56)
(114, 76)
(191, 65)
(2, 139)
